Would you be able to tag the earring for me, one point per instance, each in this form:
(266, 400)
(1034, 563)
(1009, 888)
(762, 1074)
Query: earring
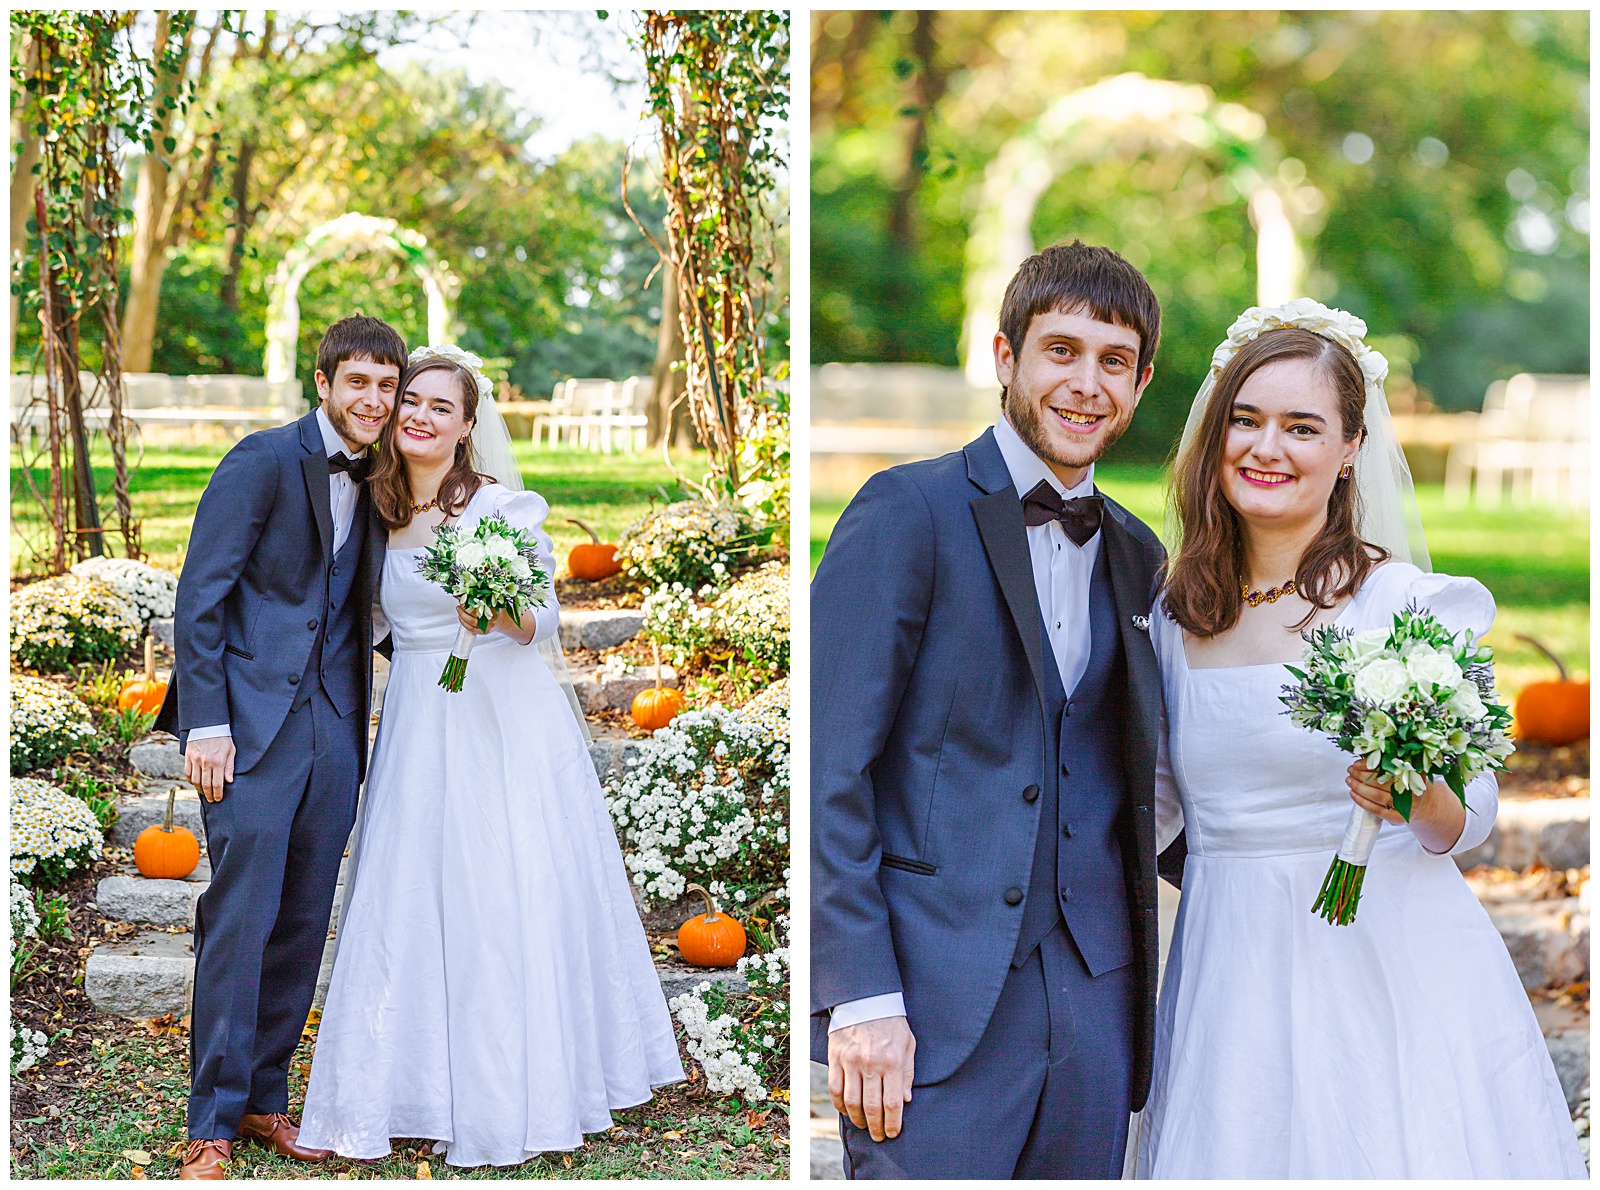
(1349, 469)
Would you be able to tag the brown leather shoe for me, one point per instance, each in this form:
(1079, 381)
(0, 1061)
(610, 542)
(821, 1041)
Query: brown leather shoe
(203, 1160)
(280, 1134)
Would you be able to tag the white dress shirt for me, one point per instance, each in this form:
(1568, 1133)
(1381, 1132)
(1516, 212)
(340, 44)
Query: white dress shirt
(342, 495)
(1061, 573)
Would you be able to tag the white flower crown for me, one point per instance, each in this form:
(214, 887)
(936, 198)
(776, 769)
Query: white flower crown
(1340, 326)
(456, 355)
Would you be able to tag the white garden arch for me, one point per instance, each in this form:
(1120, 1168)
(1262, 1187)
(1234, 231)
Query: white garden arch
(1126, 115)
(346, 237)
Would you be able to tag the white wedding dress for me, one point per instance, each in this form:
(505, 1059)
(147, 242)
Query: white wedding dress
(1400, 1046)
(493, 988)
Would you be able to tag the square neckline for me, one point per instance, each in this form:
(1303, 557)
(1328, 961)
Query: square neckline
(403, 549)
(1183, 650)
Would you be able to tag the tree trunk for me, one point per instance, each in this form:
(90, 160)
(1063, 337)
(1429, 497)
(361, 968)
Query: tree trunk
(927, 88)
(669, 412)
(22, 184)
(152, 217)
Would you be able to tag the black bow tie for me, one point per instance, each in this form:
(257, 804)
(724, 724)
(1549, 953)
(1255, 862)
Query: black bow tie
(356, 469)
(1080, 517)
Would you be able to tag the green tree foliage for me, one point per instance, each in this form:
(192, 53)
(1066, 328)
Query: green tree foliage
(1464, 229)
(303, 124)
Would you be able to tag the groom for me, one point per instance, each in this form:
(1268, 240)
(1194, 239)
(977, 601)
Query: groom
(269, 698)
(985, 708)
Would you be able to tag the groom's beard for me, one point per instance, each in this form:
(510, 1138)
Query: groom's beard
(1026, 416)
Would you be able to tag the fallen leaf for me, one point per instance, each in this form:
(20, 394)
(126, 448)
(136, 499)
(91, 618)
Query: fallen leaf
(138, 1174)
(567, 1161)
(781, 1096)
(424, 1174)
(137, 1156)
(756, 1119)
(672, 1136)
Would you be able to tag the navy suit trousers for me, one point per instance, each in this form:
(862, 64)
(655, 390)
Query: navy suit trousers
(1044, 1095)
(275, 842)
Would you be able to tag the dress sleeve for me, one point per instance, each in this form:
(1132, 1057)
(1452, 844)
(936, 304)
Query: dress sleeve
(528, 510)
(1459, 603)
(1463, 604)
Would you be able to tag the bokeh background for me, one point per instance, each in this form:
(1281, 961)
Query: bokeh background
(1433, 165)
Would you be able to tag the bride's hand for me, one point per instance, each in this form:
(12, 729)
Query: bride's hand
(501, 623)
(1367, 792)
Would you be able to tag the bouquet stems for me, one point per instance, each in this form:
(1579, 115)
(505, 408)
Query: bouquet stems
(455, 665)
(1341, 887)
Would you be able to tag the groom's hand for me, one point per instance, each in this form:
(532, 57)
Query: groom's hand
(208, 765)
(870, 1069)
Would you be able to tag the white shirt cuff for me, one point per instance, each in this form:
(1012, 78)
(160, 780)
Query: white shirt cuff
(872, 1008)
(210, 733)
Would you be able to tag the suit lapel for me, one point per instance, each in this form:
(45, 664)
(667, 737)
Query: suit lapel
(1130, 592)
(1005, 540)
(315, 466)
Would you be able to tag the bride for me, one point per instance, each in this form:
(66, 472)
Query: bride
(1402, 1045)
(493, 990)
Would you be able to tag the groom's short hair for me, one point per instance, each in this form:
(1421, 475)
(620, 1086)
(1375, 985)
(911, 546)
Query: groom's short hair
(360, 337)
(1071, 276)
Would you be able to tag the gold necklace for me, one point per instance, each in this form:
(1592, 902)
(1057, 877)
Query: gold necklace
(419, 509)
(1270, 595)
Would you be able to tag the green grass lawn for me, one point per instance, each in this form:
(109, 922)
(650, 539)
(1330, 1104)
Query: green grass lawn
(1535, 561)
(607, 492)
(132, 1110)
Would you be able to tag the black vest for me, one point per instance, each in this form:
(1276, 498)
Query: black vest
(337, 658)
(1077, 860)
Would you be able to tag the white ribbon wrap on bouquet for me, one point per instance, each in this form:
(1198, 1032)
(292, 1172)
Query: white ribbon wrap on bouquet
(1360, 837)
(463, 646)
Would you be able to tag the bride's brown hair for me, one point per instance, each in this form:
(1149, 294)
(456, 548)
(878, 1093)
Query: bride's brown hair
(1202, 579)
(391, 486)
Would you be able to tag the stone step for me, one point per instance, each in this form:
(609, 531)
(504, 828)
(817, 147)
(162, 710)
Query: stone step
(1566, 1032)
(611, 756)
(1548, 940)
(149, 902)
(599, 629)
(1552, 831)
(146, 976)
(599, 690)
(677, 980)
(150, 809)
(157, 756)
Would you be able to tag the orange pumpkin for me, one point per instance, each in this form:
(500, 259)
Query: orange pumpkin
(166, 852)
(711, 940)
(1552, 713)
(144, 693)
(592, 560)
(656, 706)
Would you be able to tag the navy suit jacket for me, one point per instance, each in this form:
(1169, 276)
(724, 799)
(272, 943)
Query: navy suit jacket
(250, 598)
(927, 723)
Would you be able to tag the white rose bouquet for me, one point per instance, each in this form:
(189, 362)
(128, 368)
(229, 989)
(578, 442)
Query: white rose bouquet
(1414, 702)
(495, 568)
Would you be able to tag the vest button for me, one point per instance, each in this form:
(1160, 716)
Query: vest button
(1031, 794)
(294, 679)
(335, 570)
(1065, 771)
(1066, 829)
(312, 625)
(1066, 894)
(1013, 896)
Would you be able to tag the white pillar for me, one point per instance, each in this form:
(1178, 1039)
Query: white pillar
(1277, 253)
